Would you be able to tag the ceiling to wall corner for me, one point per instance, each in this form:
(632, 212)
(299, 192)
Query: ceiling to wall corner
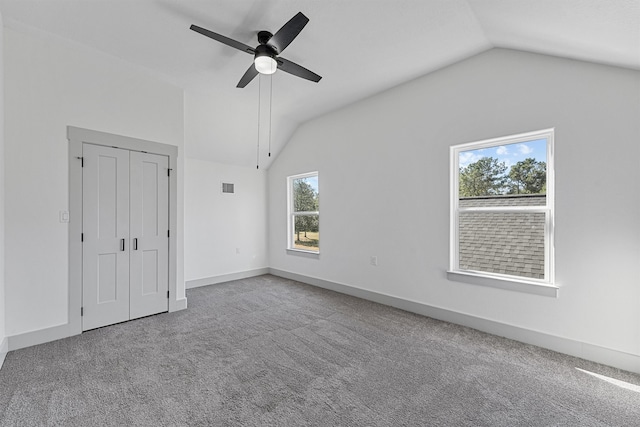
(359, 47)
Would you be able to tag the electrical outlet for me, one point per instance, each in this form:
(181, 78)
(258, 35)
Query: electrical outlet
(237, 251)
(373, 260)
(64, 216)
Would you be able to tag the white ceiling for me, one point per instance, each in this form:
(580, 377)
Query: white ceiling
(359, 47)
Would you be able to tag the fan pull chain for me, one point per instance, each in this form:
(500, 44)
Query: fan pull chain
(258, 149)
(270, 108)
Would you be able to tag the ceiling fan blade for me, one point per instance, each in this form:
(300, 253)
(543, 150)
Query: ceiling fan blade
(223, 39)
(297, 70)
(248, 76)
(288, 32)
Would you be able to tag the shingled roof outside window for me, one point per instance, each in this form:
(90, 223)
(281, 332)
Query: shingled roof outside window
(503, 242)
(502, 198)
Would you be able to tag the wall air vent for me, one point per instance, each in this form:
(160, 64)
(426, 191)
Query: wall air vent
(227, 188)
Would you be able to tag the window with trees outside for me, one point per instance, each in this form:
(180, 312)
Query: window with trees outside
(502, 208)
(304, 213)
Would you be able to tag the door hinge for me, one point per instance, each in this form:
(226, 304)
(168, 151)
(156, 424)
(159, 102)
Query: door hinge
(168, 294)
(168, 234)
(169, 172)
(81, 161)
(82, 237)
(81, 311)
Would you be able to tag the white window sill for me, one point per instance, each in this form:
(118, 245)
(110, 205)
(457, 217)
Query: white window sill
(517, 285)
(303, 253)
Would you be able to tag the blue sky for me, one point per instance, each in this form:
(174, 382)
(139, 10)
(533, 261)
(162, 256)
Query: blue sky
(312, 181)
(510, 154)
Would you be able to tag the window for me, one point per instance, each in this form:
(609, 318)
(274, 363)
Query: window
(304, 213)
(502, 208)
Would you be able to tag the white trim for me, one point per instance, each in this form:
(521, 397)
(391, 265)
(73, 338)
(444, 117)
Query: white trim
(53, 333)
(291, 214)
(491, 209)
(181, 304)
(503, 282)
(303, 175)
(75, 245)
(296, 251)
(520, 284)
(40, 336)
(4, 349)
(549, 262)
(306, 213)
(206, 281)
(508, 139)
(608, 356)
(77, 137)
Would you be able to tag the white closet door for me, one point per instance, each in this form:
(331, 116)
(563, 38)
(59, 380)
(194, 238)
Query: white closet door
(149, 279)
(105, 205)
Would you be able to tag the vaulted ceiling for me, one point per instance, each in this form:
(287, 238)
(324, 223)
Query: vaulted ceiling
(359, 47)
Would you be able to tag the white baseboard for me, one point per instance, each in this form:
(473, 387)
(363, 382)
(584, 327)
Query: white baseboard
(607, 356)
(40, 336)
(181, 304)
(189, 284)
(4, 349)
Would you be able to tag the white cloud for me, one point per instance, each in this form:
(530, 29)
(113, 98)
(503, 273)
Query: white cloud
(468, 157)
(502, 150)
(525, 149)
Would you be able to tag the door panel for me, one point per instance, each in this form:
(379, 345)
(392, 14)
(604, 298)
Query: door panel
(107, 278)
(105, 224)
(150, 198)
(150, 272)
(107, 196)
(149, 226)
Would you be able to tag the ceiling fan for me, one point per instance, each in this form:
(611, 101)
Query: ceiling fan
(266, 59)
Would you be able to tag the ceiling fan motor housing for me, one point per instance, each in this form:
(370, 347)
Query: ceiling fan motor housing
(264, 37)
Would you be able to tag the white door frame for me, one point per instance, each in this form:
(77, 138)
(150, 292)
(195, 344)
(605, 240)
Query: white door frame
(76, 137)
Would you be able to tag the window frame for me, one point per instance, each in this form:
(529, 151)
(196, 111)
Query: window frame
(291, 214)
(504, 281)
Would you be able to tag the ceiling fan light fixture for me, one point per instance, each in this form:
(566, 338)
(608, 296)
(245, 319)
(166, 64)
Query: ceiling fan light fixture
(265, 64)
(266, 54)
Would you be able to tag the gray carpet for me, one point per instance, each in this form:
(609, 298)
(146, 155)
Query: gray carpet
(272, 352)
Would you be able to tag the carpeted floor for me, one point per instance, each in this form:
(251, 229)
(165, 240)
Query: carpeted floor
(267, 351)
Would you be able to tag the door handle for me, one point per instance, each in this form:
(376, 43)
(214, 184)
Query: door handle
(122, 244)
(135, 244)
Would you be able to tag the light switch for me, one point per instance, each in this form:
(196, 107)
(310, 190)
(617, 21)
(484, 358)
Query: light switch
(64, 216)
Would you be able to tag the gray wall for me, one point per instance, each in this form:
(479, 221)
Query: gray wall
(224, 234)
(3, 342)
(384, 178)
(49, 85)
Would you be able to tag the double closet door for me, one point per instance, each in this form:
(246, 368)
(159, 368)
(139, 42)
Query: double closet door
(125, 221)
